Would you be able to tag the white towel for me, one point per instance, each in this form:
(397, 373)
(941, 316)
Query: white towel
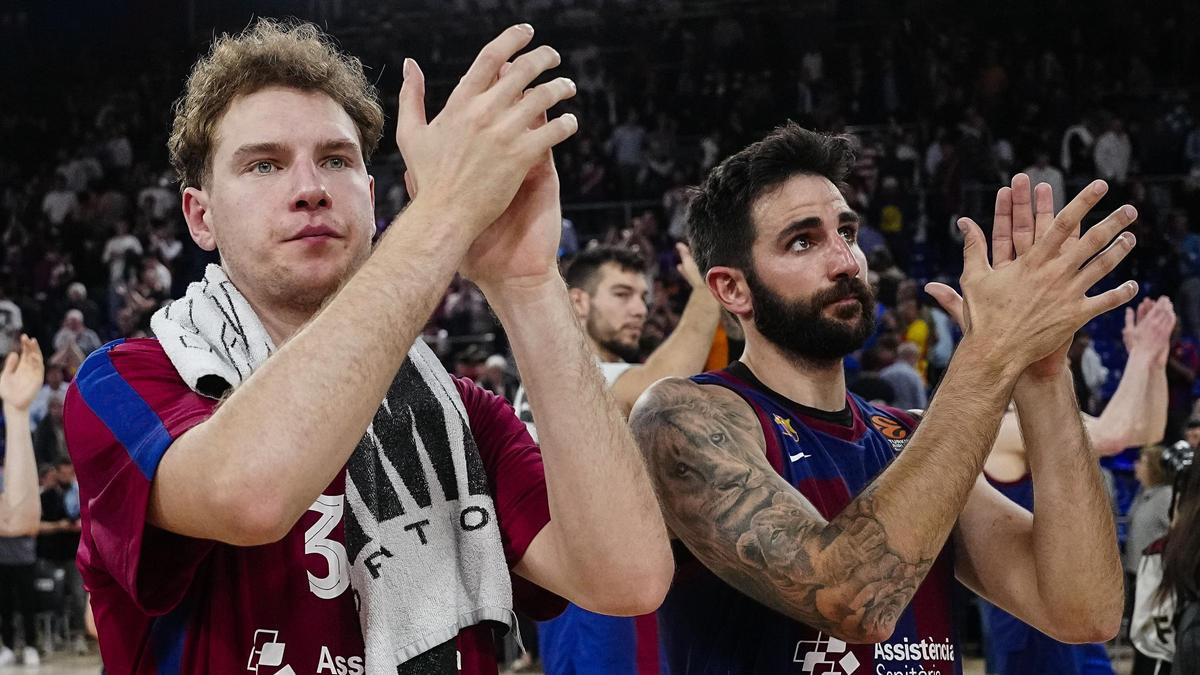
(421, 530)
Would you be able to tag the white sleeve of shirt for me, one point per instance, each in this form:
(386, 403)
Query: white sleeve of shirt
(1152, 628)
(613, 371)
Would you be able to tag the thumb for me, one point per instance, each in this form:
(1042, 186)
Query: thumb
(974, 247)
(410, 114)
(949, 299)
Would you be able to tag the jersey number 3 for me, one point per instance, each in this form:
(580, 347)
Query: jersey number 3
(317, 542)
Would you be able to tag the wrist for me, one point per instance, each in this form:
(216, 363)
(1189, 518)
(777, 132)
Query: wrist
(446, 227)
(989, 358)
(15, 412)
(1030, 383)
(1145, 355)
(515, 293)
(1045, 371)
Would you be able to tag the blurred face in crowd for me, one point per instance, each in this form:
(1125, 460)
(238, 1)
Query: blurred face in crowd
(808, 291)
(54, 409)
(288, 201)
(1192, 435)
(73, 321)
(66, 474)
(615, 313)
(54, 377)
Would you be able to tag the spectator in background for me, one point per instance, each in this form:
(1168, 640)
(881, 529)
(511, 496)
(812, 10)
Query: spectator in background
(1043, 172)
(626, 146)
(496, 378)
(1186, 247)
(117, 249)
(77, 298)
(869, 383)
(58, 539)
(49, 440)
(915, 330)
(162, 202)
(1077, 153)
(75, 332)
(165, 244)
(118, 149)
(1113, 152)
(942, 349)
(10, 321)
(54, 388)
(1149, 516)
(905, 380)
(73, 342)
(59, 202)
(1183, 365)
(1181, 572)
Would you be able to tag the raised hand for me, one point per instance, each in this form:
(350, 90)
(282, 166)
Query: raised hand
(1033, 299)
(688, 269)
(22, 376)
(521, 246)
(468, 162)
(1149, 328)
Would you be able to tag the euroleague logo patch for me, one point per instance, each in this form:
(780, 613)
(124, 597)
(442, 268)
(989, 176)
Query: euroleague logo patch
(892, 430)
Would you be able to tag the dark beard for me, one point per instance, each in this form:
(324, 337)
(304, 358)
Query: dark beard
(800, 328)
(630, 353)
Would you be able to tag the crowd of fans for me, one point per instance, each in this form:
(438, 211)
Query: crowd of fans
(944, 109)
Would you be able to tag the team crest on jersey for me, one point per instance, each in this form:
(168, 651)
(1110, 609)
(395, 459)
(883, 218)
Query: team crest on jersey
(785, 425)
(892, 430)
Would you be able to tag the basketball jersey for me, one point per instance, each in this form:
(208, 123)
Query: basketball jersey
(707, 626)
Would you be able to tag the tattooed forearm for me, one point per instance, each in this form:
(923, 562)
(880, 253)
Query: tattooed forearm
(705, 451)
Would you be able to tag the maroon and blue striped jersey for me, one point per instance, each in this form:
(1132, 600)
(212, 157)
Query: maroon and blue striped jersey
(167, 604)
(707, 626)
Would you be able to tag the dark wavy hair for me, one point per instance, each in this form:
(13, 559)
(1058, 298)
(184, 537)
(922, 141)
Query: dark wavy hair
(720, 226)
(583, 270)
(1181, 554)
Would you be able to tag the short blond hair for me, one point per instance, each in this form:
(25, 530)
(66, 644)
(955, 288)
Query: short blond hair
(268, 53)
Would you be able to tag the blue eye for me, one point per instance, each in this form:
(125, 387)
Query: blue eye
(264, 167)
(337, 163)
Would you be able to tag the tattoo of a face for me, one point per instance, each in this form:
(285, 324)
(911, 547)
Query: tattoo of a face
(706, 454)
